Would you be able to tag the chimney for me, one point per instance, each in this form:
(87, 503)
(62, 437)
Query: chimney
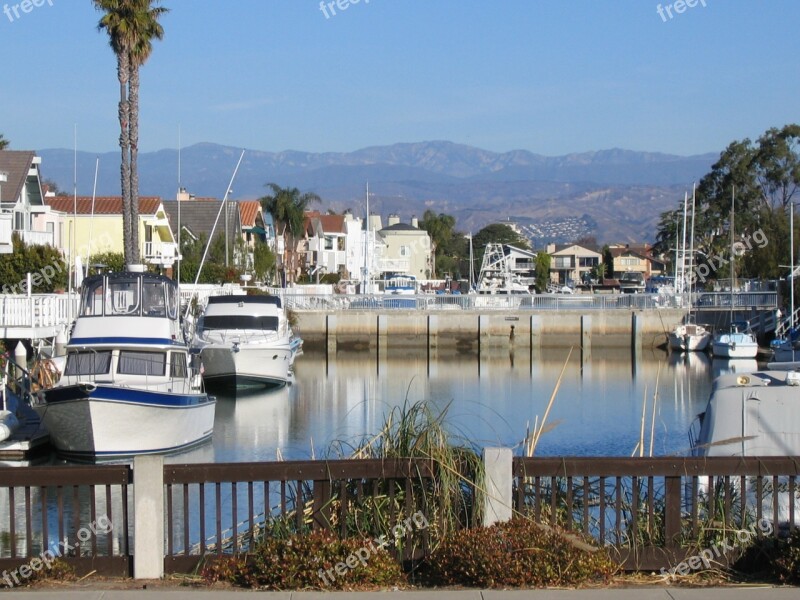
(183, 195)
(375, 223)
(415, 221)
(393, 220)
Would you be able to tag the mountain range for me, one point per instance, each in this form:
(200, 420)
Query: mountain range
(621, 192)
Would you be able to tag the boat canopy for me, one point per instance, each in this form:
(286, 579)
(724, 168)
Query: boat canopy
(130, 295)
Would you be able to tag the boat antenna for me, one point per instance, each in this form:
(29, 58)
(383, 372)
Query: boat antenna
(178, 255)
(74, 211)
(211, 236)
(91, 222)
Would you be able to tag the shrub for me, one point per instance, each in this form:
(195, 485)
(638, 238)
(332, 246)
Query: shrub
(517, 553)
(57, 570)
(296, 563)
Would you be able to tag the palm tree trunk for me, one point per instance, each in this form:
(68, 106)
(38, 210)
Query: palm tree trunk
(123, 74)
(134, 127)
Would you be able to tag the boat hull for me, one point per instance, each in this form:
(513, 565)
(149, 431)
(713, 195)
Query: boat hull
(689, 342)
(734, 350)
(95, 420)
(247, 365)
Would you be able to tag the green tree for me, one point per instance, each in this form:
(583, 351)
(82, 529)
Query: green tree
(764, 177)
(496, 233)
(542, 271)
(263, 262)
(44, 263)
(114, 261)
(441, 229)
(3, 142)
(131, 26)
(608, 262)
(287, 207)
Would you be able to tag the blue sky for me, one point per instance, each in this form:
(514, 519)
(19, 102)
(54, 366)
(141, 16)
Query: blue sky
(552, 77)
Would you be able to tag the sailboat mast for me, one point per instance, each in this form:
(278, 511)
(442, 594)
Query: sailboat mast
(683, 246)
(691, 245)
(733, 240)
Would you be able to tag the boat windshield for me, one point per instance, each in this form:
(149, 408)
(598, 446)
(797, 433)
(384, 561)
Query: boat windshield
(239, 322)
(129, 296)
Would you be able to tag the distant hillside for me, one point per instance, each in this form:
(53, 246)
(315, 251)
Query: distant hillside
(622, 191)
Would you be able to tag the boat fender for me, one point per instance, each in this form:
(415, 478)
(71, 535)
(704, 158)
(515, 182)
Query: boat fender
(8, 424)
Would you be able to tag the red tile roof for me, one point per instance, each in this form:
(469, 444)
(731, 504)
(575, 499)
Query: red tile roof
(103, 205)
(248, 210)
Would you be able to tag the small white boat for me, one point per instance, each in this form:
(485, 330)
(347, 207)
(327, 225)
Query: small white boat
(689, 337)
(737, 342)
(245, 341)
(128, 385)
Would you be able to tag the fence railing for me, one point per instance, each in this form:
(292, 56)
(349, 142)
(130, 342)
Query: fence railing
(655, 512)
(37, 310)
(79, 514)
(651, 513)
(223, 508)
(560, 302)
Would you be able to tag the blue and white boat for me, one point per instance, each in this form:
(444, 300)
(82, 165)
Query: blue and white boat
(128, 385)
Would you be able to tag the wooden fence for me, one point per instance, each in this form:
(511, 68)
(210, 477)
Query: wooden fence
(651, 512)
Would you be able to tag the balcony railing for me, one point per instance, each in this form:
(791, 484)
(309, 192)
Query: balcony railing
(36, 238)
(160, 251)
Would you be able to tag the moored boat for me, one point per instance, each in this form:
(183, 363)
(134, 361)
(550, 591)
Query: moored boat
(128, 386)
(245, 341)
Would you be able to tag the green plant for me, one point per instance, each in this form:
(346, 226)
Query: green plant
(309, 561)
(517, 553)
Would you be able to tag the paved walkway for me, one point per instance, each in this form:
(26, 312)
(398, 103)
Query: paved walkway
(639, 593)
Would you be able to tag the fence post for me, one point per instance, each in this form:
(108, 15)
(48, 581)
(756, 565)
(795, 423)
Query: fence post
(672, 511)
(499, 478)
(148, 517)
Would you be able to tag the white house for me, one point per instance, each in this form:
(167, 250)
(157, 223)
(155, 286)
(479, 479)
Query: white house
(21, 201)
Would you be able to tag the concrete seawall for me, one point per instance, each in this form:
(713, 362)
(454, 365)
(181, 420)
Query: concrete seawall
(353, 330)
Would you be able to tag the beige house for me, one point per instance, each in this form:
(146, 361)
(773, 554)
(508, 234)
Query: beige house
(569, 263)
(629, 259)
(404, 248)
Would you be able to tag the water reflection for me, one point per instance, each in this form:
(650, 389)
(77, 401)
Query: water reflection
(598, 409)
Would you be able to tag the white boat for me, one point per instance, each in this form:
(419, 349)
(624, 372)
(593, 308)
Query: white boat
(689, 337)
(752, 414)
(129, 386)
(737, 342)
(245, 341)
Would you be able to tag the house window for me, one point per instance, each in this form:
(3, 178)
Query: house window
(328, 243)
(563, 262)
(629, 261)
(405, 250)
(588, 261)
(19, 221)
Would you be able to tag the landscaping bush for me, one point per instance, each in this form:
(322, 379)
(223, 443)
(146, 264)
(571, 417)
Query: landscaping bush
(518, 553)
(309, 561)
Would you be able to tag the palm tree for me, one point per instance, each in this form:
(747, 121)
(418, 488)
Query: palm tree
(130, 25)
(287, 207)
(3, 142)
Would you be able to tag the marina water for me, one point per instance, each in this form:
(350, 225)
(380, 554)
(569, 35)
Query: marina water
(334, 403)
